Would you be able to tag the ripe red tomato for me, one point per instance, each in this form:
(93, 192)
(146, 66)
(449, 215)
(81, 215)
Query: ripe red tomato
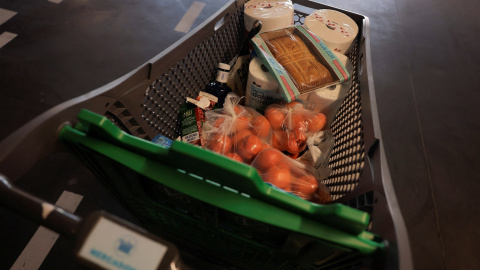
(317, 123)
(220, 143)
(322, 194)
(276, 117)
(219, 121)
(240, 110)
(297, 122)
(305, 186)
(234, 156)
(278, 143)
(261, 127)
(239, 123)
(292, 144)
(249, 148)
(240, 136)
(280, 177)
(294, 105)
(268, 158)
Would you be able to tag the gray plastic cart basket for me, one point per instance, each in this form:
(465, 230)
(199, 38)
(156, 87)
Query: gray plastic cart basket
(146, 102)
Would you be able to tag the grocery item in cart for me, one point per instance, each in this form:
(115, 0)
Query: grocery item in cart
(262, 88)
(219, 87)
(299, 61)
(337, 30)
(294, 55)
(192, 117)
(236, 131)
(292, 125)
(329, 99)
(274, 14)
(285, 173)
(162, 140)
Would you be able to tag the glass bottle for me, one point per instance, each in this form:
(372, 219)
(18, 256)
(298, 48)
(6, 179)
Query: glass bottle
(219, 87)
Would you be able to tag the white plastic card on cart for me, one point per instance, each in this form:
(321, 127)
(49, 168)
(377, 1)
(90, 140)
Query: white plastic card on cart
(112, 246)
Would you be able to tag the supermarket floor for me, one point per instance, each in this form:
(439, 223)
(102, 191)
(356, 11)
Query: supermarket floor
(425, 64)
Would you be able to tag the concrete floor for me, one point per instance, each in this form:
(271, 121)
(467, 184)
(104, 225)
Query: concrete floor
(424, 62)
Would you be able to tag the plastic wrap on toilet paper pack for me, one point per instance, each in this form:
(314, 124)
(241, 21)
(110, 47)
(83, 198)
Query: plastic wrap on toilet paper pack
(329, 99)
(336, 29)
(298, 60)
(262, 88)
(273, 14)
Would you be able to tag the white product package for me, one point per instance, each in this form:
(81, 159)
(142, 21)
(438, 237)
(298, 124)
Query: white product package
(329, 99)
(262, 88)
(273, 14)
(336, 29)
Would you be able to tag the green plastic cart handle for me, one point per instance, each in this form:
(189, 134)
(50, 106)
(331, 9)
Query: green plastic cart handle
(218, 196)
(227, 172)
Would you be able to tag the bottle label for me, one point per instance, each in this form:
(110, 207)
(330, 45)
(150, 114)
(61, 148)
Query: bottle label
(260, 98)
(222, 76)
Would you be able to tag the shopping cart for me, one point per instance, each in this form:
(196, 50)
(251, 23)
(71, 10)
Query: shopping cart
(210, 205)
(132, 244)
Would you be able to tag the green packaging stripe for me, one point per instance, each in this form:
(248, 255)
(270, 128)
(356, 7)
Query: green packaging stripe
(289, 90)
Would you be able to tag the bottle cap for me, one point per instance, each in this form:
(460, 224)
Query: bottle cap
(224, 66)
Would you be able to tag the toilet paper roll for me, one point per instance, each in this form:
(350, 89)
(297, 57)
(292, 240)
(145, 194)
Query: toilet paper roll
(329, 99)
(274, 14)
(336, 29)
(262, 88)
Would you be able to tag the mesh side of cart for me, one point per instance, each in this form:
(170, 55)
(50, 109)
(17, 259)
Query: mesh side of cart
(167, 93)
(208, 230)
(347, 158)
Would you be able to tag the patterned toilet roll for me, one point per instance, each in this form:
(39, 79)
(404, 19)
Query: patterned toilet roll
(274, 14)
(336, 29)
(262, 88)
(329, 99)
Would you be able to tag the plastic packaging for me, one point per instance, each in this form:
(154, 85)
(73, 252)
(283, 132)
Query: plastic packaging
(236, 131)
(274, 14)
(337, 30)
(262, 88)
(192, 117)
(329, 99)
(285, 173)
(292, 125)
(301, 64)
(298, 60)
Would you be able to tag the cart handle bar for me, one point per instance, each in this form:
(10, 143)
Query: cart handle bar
(37, 210)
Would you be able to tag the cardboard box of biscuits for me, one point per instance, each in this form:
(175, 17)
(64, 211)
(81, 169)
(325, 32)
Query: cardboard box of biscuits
(299, 61)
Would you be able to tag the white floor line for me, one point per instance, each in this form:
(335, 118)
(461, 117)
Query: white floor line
(55, 1)
(6, 37)
(189, 17)
(43, 240)
(5, 15)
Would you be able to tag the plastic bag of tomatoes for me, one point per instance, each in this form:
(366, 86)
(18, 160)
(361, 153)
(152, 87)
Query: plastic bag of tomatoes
(236, 131)
(292, 124)
(289, 175)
